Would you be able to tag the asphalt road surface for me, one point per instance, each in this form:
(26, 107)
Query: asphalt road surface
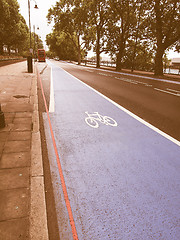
(156, 101)
(121, 174)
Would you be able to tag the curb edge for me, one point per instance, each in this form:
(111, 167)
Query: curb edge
(38, 215)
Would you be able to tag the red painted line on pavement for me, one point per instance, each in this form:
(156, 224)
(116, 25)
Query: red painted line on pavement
(66, 198)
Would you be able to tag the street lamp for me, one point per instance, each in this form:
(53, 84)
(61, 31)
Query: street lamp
(29, 60)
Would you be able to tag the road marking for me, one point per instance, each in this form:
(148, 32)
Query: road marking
(107, 75)
(126, 80)
(131, 114)
(175, 94)
(146, 84)
(52, 103)
(173, 90)
(66, 198)
(92, 119)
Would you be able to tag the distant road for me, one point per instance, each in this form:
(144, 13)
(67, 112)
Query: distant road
(156, 101)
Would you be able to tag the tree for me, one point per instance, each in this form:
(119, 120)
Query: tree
(122, 20)
(11, 21)
(97, 21)
(165, 28)
(139, 54)
(60, 45)
(20, 39)
(138, 35)
(4, 13)
(70, 17)
(37, 43)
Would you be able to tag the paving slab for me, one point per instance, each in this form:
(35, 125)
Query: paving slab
(17, 146)
(22, 126)
(14, 203)
(22, 121)
(3, 136)
(17, 107)
(15, 229)
(15, 160)
(18, 136)
(1, 146)
(23, 114)
(14, 178)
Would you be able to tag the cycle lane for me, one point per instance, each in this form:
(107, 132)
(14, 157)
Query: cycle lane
(123, 180)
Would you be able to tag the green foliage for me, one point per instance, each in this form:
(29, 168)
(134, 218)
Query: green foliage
(98, 15)
(164, 24)
(37, 43)
(129, 30)
(143, 56)
(70, 17)
(13, 28)
(60, 45)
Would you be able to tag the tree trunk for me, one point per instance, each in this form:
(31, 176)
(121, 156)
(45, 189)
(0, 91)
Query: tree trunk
(120, 54)
(98, 50)
(158, 68)
(79, 52)
(79, 57)
(1, 49)
(9, 50)
(119, 60)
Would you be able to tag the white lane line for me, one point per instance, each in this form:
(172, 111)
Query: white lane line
(173, 90)
(107, 75)
(88, 70)
(126, 80)
(146, 84)
(175, 94)
(131, 114)
(51, 102)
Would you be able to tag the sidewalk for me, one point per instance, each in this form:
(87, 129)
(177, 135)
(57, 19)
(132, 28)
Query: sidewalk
(22, 197)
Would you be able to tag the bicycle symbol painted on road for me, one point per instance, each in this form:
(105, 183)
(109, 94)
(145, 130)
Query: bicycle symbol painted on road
(93, 118)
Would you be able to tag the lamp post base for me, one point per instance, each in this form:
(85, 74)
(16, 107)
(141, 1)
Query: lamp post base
(2, 119)
(29, 64)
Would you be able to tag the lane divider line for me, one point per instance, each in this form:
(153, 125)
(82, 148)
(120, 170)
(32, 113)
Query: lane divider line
(66, 198)
(51, 102)
(173, 90)
(175, 94)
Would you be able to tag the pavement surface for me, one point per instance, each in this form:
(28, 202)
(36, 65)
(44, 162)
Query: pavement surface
(22, 196)
(126, 191)
(121, 173)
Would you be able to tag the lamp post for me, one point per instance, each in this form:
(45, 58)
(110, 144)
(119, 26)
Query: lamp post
(29, 59)
(2, 120)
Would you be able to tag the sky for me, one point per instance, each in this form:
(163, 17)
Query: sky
(38, 18)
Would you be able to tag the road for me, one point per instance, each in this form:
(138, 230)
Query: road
(121, 174)
(157, 102)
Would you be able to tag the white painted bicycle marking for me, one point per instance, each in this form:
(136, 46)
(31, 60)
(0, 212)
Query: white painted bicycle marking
(93, 118)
